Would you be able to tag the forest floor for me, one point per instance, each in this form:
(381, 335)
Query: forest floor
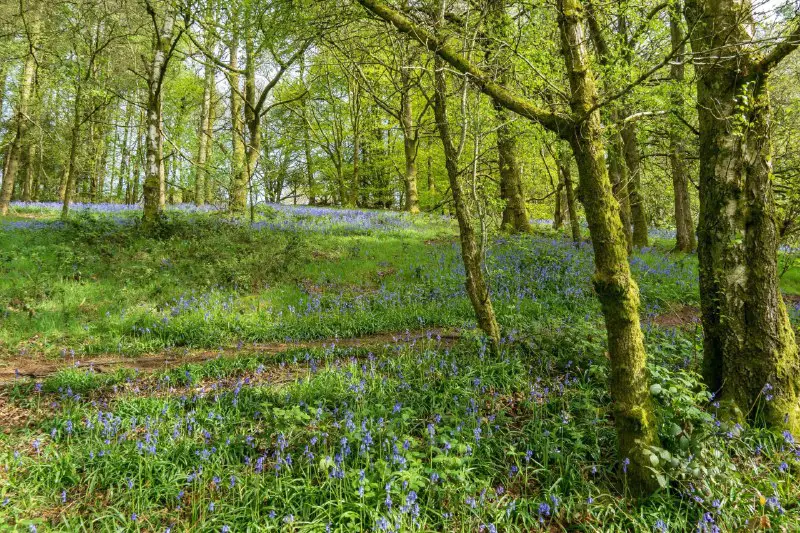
(319, 369)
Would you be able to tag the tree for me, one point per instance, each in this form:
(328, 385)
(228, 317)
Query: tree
(684, 227)
(613, 283)
(750, 350)
(20, 146)
(165, 39)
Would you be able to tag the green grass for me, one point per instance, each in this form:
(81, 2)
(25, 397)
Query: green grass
(452, 439)
(407, 436)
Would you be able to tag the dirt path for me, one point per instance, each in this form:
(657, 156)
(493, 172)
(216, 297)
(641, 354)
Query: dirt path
(31, 367)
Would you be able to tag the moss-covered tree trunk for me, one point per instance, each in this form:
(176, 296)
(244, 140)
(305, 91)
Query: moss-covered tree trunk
(565, 175)
(476, 285)
(615, 288)
(684, 226)
(515, 214)
(750, 353)
(499, 29)
(618, 173)
(633, 162)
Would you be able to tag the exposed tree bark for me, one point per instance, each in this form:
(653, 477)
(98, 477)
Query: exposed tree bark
(154, 182)
(476, 285)
(750, 354)
(19, 146)
(684, 227)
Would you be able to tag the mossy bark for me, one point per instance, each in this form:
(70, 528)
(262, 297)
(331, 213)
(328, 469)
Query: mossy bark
(750, 353)
(615, 288)
(618, 172)
(633, 162)
(684, 226)
(476, 285)
(569, 207)
(499, 28)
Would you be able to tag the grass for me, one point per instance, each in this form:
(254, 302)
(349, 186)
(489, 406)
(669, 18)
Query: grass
(408, 435)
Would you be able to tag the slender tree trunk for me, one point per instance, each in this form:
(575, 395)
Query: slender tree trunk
(125, 162)
(204, 136)
(615, 288)
(410, 138)
(684, 227)
(750, 353)
(19, 145)
(238, 190)
(633, 162)
(515, 214)
(67, 185)
(476, 285)
(565, 166)
(30, 171)
(355, 117)
(154, 179)
(251, 114)
(618, 172)
(558, 216)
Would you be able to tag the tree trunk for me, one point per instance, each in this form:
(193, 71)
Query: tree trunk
(564, 168)
(618, 172)
(615, 288)
(238, 189)
(355, 117)
(410, 142)
(515, 214)
(684, 227)
(67, 185)
(19, 145)
(251, 115)
(633, 162)
(750, 353)
(476, 285)
(203, 137)
(154, 180)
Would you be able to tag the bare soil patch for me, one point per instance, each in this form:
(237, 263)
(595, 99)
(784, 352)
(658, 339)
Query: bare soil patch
(32, 367)
(684, 316)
